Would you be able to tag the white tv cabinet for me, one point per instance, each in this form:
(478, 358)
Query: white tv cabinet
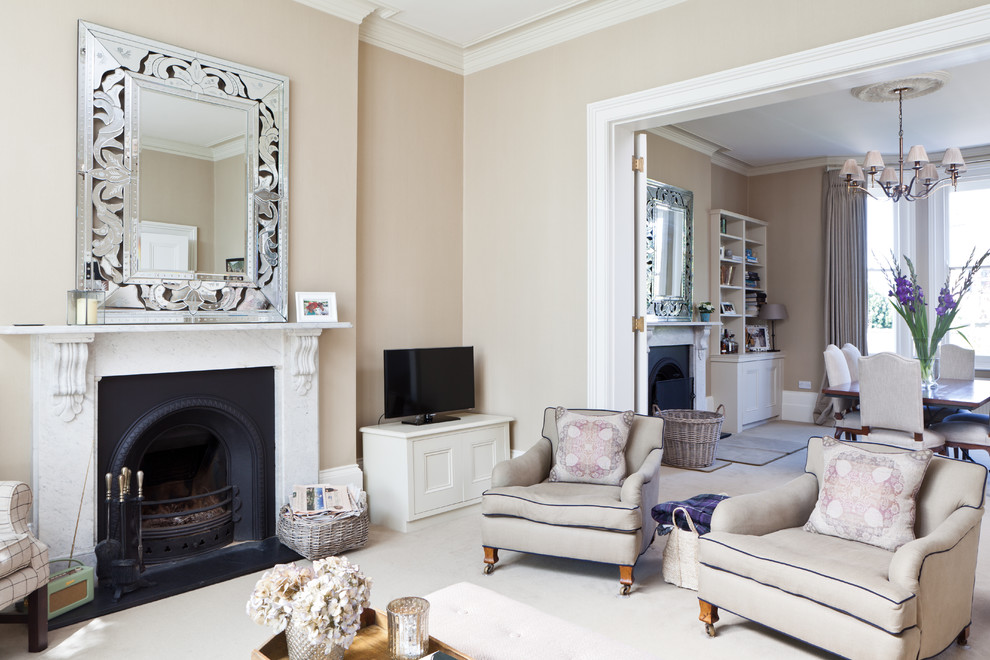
(413, 472)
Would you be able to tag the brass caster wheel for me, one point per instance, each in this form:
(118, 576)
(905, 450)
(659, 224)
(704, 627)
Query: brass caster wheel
(625, 590)
(710, 629)
(489, 568)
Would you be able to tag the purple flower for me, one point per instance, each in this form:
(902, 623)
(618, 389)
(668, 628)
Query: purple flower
(946, 303)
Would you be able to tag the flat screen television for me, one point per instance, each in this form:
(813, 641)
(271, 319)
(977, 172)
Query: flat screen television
(427, 381)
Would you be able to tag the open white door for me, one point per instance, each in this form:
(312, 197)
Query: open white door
(641, 358)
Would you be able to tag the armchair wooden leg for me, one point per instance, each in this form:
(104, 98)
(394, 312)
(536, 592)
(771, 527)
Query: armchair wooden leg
(625, 579)
(709, 614)
(38, 619)
(963, 638)
(491, 558)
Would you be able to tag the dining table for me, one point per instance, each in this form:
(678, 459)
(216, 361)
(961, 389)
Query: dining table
(968, 393)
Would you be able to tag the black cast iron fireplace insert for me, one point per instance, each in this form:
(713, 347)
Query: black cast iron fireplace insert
(206, 443)
(671, 384)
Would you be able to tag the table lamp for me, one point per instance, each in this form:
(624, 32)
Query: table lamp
(773, 312)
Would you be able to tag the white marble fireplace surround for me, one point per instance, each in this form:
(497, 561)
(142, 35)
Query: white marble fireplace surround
(67, 362)
(695, 334)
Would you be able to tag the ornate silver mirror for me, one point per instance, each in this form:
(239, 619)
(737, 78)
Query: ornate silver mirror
(181, 198)
(669, 251)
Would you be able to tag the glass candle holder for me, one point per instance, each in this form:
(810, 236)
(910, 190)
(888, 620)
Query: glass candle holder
(84, 307)
(408, 628)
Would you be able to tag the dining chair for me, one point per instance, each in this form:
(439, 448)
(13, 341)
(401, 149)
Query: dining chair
(852, 356)
(847, 419)
(963, 430)
(890, 403)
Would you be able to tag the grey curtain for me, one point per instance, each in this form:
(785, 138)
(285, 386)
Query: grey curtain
(844, 219)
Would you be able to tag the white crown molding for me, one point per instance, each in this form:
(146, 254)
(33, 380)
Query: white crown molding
(548, 29)
(557, 28)
(412, 43)
(353, 11)
(687, 139)
(187, 150)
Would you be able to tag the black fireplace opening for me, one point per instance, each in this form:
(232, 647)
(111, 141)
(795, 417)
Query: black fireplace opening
(670, 381)
(205, 511)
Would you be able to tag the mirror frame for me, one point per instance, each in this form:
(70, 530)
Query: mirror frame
(113, 66)
(678, 307)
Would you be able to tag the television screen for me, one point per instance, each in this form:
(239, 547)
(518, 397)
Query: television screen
(426, 381)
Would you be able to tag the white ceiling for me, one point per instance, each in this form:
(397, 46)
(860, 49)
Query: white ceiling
(467, 22)
(835, 123)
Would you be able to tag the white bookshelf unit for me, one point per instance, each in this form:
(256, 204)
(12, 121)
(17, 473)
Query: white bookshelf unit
(748, 381)
(415, 472)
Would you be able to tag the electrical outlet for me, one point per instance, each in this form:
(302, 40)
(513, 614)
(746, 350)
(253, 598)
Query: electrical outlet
(804, 384)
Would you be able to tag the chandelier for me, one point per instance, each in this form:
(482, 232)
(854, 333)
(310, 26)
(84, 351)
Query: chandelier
(924, 176)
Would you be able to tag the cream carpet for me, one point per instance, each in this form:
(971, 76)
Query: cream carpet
(658, 617)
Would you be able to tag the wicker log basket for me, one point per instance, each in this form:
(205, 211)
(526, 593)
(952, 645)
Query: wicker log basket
(690, 437)
(316, 537)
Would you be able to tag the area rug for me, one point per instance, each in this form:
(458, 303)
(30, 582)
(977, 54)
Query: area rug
(753, 450)
(716, 465)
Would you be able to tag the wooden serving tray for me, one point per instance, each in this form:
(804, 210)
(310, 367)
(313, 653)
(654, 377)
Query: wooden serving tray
(371, 642)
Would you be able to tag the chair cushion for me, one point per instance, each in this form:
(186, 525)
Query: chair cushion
(966, 429)
(867, 496)
(591, 448)
(846, 576)
(15, 552)
(570, 504)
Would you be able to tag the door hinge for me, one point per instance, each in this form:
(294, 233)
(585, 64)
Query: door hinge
(639, 164)
(639, 324)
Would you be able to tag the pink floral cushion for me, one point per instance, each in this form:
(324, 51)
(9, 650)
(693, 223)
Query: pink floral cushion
(867, 496)
(591, 449)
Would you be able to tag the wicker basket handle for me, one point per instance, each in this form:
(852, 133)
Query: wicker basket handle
(687, 518)
(720, 410)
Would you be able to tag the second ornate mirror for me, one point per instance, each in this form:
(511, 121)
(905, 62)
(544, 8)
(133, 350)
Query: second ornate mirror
(182, 183)
(669, 251)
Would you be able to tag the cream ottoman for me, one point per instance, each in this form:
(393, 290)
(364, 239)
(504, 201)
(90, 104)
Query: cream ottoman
(488, 626)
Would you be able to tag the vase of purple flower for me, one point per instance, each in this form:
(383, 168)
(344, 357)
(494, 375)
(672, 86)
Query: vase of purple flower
(908, 300)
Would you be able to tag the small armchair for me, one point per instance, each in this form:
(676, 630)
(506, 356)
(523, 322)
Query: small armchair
(23, 564)
(850, 598)
(524, 512)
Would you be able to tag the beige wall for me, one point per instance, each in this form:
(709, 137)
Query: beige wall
(410, 165)
(791, 203)
(317, 52)
(162, 175)
(730, 191)
(525, 194)
(229, 211)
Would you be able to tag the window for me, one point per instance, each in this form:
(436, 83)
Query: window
(965, 230)
(938, 236)
(887, 232)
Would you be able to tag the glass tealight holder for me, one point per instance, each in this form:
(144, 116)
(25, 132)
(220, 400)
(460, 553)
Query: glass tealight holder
(84, 307)
(408, 628)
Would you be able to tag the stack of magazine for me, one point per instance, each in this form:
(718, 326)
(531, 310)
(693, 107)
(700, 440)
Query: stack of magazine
(326, 500)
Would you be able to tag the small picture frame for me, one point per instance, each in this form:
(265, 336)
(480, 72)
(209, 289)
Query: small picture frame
(727, 308)
(235, 265)
(316, 306)
(756, 338)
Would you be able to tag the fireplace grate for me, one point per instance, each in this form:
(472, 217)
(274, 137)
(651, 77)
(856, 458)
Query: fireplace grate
(184, 526)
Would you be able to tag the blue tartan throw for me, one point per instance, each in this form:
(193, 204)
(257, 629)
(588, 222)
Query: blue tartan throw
(700, 508)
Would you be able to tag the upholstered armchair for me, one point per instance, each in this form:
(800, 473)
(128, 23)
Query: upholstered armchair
(23, 564)
(849, 597)
(526, 512)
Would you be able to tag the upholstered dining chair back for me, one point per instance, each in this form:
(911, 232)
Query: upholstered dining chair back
(890, 393)
(837, 371)
(956, 362)
(852, 355)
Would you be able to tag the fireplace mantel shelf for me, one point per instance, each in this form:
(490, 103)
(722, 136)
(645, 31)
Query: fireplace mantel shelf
(653, 322)
(162, 327)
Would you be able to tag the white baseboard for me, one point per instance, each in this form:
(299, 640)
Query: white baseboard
(345, 474)
(798, 406)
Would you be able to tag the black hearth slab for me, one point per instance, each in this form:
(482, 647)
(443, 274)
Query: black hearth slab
(180, 576)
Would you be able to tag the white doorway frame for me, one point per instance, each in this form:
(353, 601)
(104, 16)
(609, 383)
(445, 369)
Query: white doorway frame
(611, 125)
